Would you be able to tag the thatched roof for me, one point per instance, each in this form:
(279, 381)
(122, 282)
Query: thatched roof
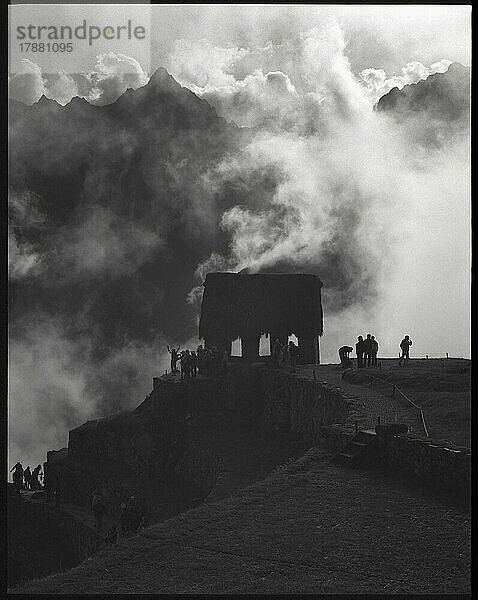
(235, 305)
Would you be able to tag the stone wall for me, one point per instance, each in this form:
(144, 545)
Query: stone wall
(435, 462)
(157, 440)
(316, 412)
(325, 415)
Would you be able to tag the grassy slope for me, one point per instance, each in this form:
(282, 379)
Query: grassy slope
(442, 387)
(311, 527)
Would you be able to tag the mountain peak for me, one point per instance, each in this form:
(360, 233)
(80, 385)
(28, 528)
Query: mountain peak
(446, 95)
(162, 78)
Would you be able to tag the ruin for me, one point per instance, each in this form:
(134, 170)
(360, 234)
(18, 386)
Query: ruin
(245, 306)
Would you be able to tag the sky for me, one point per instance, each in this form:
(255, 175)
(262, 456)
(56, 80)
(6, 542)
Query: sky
(389, 196)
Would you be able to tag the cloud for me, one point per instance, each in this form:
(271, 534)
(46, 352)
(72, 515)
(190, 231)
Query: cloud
(378, 84)
(24, 258)
(111, 76)
(104, 244)
(57, 382)
(322, 184)
(347, 180)
(311, 78)
(27, 86)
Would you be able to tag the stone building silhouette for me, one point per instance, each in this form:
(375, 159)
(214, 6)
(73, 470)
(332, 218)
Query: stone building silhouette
(245, 306)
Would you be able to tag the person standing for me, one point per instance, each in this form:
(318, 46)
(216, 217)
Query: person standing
(367, 358)
(194, 364)
(27, 476)
(405, 347)
(224, 360)
(98, 508)
(35, 482)
(174, 358)
(374, 351)
(285, 357)
(276, 353)
(184, 362)
(293, 354)
(359, 351)
(17, 476)
(57, 489)
(200, 355)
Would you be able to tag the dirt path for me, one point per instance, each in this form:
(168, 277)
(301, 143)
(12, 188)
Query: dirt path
(375, 403)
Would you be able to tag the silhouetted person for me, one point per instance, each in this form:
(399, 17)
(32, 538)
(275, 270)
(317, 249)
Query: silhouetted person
(405, 347)
(98, 508)
(224, 361)
(57, 488)
(359, 351)
(135, 513)
(35, 482)
(200, 355)
(367, 357)
(142, 524)
(112, 535)
(17, 476)
(276, 354)
(214, 361)
(194, 364)
(124, 519)
(374, 351)
(284, 356)
(345, 361)
(27, 476)
(174, 358)
(293, 354)
(185, 364)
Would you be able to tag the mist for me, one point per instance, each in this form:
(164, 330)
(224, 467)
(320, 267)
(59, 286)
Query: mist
(302, 175)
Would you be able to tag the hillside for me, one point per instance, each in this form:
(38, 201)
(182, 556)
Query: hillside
(306, 527)
(309, 528)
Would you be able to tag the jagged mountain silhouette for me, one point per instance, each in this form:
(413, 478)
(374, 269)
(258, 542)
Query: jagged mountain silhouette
(444, 96)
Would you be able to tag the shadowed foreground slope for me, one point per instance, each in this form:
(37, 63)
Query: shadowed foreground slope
(311, 527)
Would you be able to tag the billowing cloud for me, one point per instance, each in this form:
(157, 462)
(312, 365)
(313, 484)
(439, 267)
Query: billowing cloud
(27, 86)
(378, 84)
(322, 183)
(102, 243)
(110, 77)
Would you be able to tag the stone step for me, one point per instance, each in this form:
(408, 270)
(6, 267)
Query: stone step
(354, 448)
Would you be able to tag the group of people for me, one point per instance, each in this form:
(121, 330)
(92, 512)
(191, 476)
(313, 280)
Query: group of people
(366, 351)
(26, 479)
(132, 517)
(284, 354)
(203, 361)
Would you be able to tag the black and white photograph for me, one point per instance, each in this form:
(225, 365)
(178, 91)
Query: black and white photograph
(239, 299)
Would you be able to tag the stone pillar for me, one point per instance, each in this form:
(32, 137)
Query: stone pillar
(309, 349)
(250, 348)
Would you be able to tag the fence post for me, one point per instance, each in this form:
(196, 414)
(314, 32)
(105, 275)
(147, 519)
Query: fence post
(378, 420)
(315, 378)
(426, 355)
(447, 354)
